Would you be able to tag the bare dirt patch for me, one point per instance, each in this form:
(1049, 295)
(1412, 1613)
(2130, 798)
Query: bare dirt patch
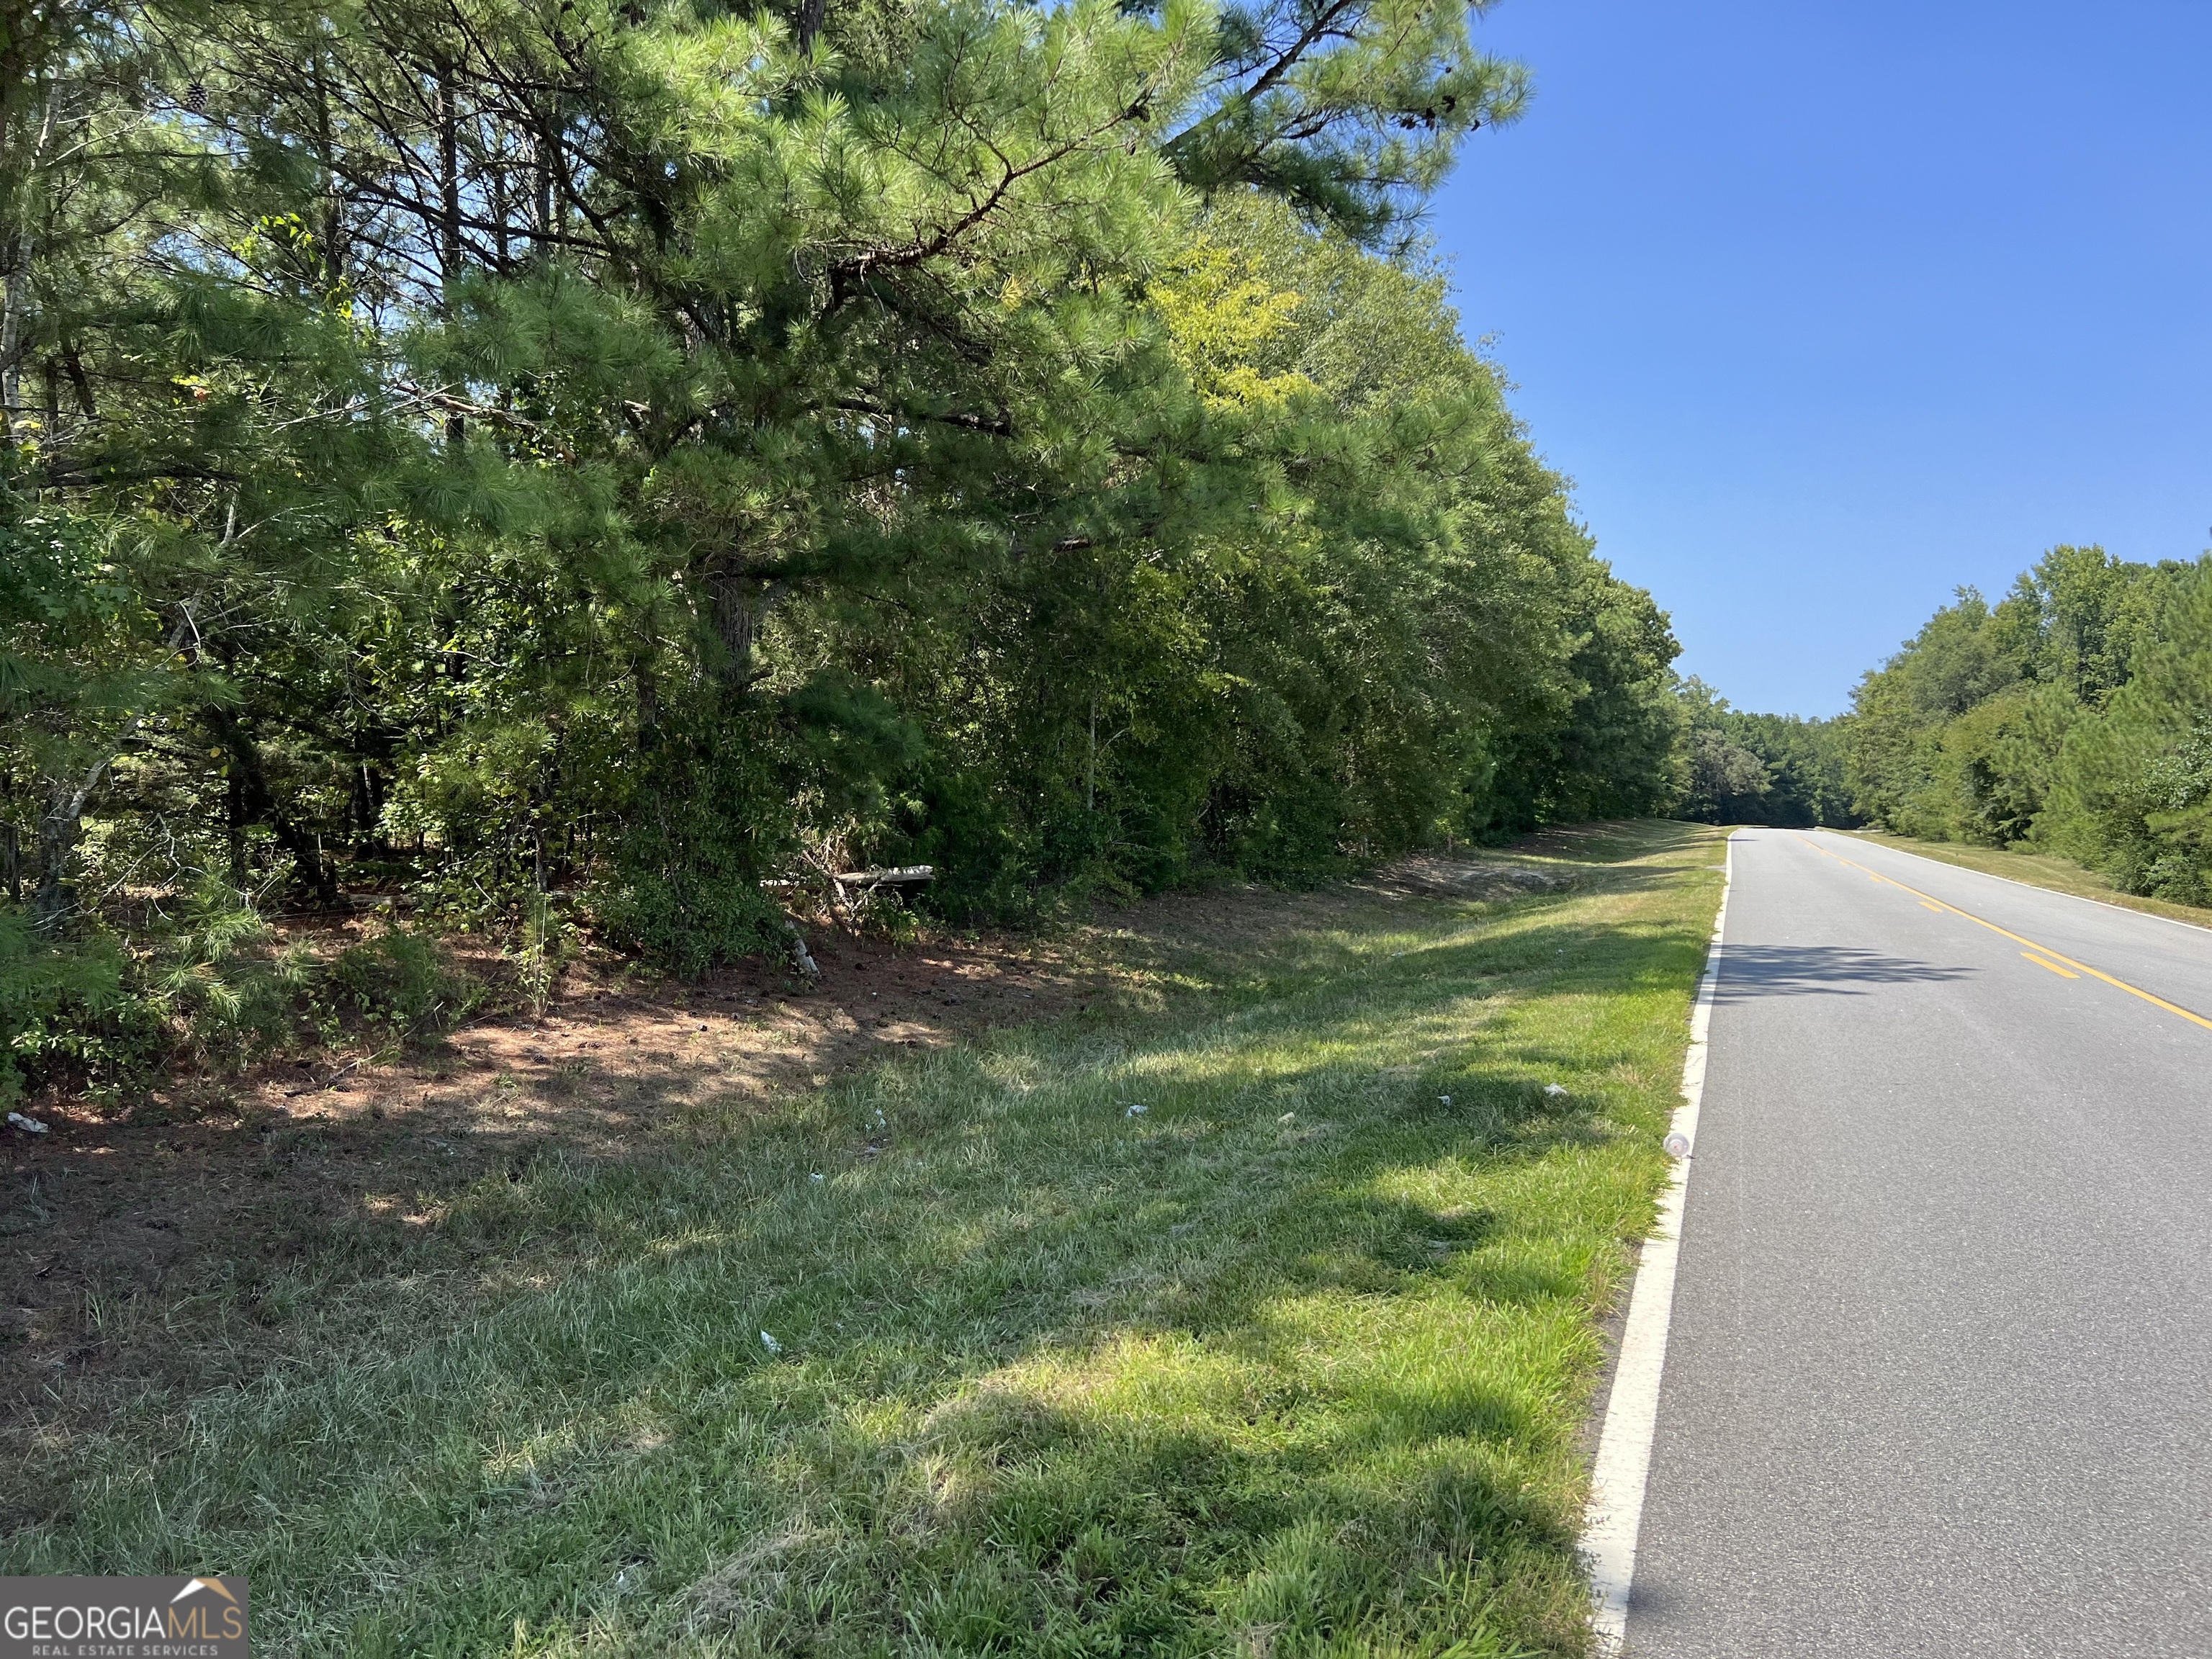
(217, 1184)
(223, 1179)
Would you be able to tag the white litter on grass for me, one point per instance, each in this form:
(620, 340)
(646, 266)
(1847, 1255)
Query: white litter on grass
(1443, 1100)
(770, 1343)
(1286, 1117)
(29, 1126)
(814, 1178)
(1136, 1110)
(1678, 1145)
(1555, 1089)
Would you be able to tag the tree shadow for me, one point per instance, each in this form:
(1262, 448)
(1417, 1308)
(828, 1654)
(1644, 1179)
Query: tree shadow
(1749, 971)
(920, 1235)
(294, 1214)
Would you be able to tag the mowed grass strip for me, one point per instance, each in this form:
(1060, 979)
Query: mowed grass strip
(2046, 870)
(966, 1356)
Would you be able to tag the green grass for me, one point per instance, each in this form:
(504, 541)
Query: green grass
(1297, 1360)
(2037, 870)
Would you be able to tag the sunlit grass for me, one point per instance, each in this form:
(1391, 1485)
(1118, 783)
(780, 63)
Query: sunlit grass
(963, 1356)
(2060, 875)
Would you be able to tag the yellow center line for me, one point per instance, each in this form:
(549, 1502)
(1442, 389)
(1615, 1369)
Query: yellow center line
(1931, 904)
(2055, 956)
(2064, 973)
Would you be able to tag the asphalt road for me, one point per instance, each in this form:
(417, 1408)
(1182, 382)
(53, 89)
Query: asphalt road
(1939, 1376)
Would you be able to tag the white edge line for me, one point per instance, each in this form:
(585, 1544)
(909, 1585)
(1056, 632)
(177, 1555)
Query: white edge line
(2013, 881)
(1631, 1411)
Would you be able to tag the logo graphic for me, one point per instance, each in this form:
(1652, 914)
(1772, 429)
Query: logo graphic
(198, 1618)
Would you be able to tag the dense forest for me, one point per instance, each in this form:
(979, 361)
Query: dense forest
(1742, 767)
(595, 467)
(2073, 716)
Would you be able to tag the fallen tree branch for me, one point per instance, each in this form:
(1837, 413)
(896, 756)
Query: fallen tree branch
(872, 878)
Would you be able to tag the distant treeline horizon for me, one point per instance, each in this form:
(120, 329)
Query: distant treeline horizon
(2073, 716)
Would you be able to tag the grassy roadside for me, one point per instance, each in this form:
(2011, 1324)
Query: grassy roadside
(2036, 870)
(964, 1354)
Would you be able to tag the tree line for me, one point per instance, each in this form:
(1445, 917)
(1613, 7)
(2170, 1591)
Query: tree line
(1742, 767)
(571, 463)
(2073, 716)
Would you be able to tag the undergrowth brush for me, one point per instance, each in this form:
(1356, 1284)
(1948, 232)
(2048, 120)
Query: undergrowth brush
(1258, 1314)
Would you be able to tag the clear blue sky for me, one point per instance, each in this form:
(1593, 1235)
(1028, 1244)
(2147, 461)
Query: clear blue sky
(1828, 308)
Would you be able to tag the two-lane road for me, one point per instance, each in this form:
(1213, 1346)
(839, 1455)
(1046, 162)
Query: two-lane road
(1940, 1376)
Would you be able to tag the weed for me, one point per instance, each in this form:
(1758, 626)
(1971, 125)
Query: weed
(397, 979)
(546, 942)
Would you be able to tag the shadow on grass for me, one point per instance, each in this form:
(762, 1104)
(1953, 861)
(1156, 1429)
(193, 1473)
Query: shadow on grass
(964, 1355)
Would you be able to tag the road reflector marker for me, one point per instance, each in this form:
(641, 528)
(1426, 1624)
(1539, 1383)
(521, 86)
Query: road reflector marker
(1622, 1464)
(2064, 973)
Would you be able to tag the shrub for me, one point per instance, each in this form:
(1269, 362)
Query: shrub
(399, 979)
(684, 890)
(63, 1007)
(218, 980)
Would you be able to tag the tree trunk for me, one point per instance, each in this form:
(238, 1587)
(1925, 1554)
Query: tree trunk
(502, 208)
(259, 802)
(333, 204)
(58, 827)
(544, 140)
(733, 621)
(449, 211)
(648, 706)
(741, 604)
(234, 824)
(80, 382)
(16, 298)
(15, 313)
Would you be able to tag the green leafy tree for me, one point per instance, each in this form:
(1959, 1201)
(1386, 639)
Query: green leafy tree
(567, 466)
(2132, 788)
(1761, 768)
(2069, 716)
